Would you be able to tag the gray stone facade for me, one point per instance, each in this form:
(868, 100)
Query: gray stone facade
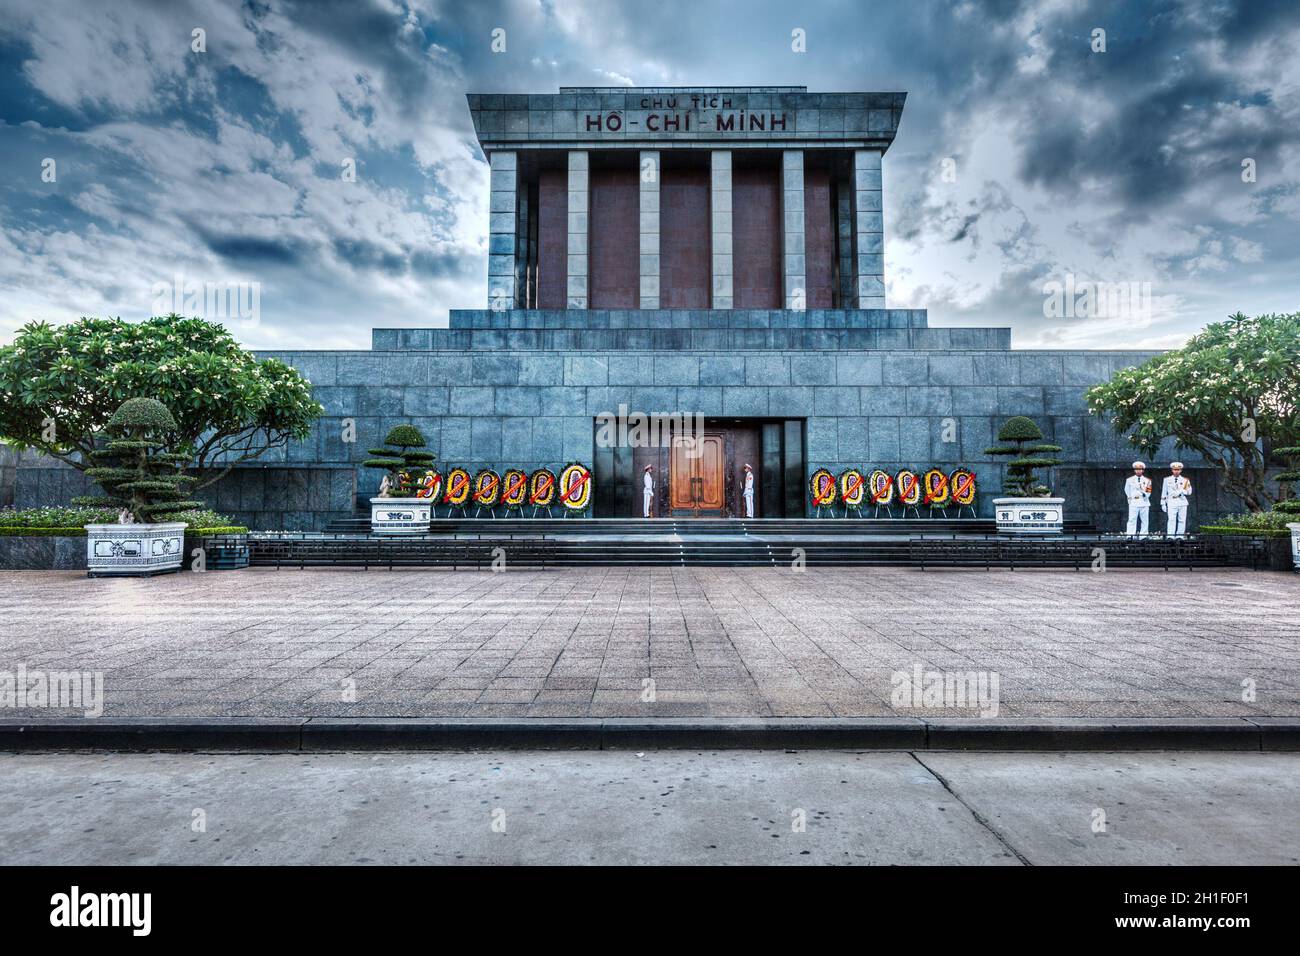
(495, 404)
(890, 399)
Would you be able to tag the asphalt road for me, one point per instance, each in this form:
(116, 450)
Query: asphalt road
(816, 807)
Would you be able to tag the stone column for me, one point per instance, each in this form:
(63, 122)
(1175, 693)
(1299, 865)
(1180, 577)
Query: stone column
(845, 290)
(649, 218)
(868, 230)
(578, 206)
(792, 213)
(721, 229)
(503, 215)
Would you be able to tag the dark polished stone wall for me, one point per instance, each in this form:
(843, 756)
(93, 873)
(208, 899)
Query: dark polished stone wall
(756, 230)
(684, 248)
(614, 247)
(552, 238)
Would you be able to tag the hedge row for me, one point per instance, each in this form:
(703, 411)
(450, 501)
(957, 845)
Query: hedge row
(1244, 532)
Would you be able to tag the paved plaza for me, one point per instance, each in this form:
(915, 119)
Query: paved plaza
(714, 641)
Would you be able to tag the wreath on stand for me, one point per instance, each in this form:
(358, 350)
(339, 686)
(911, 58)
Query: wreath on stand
(909, 491)
(514, 488)
(822, 487)
(575, 488)
(457, 492)
(541, 490)
(853, 489)
(429, 486)
(935, 491)
(880, 486)
(487, 486)
(962, 484)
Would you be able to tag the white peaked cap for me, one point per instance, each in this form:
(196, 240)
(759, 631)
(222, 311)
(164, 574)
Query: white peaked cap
(1175, 464)
(1139, 464)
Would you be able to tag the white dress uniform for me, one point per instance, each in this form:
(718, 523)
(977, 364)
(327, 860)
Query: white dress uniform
(1138, 492)
(647, 492)
(749, 494)
(1174, 492)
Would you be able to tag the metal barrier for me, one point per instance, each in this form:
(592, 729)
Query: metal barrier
(1075, 551)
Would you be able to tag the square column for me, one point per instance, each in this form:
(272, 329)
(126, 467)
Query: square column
(845, 289)
(578, 207)
(868, 230)
(503, 215)
(792, 214)
(720, 227)
(649, 229)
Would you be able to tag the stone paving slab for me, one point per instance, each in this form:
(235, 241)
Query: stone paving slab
(717, 642)
(625, 807)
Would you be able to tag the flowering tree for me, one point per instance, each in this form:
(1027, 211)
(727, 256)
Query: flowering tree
(60, 385)
(1223, 394)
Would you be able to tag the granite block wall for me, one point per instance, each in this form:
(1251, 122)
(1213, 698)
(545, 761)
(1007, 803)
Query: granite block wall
(885, 408)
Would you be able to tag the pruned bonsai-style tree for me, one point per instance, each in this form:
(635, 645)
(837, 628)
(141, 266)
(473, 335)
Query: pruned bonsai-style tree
(1026, 449)
(402, 461)
(137, 474)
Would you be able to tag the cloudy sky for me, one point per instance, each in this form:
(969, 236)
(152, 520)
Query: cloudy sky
(226, 164)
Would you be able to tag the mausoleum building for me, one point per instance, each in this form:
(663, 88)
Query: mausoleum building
(714, 256)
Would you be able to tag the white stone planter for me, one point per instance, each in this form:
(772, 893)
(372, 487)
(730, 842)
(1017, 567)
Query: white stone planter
(1029, 515)
(1295, 545)
(400, 515)
(134, 549)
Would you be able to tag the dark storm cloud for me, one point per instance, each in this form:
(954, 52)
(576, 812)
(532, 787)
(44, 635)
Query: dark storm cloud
(230, 160)
(253, 250)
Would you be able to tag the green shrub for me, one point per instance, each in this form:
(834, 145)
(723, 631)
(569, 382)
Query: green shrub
(1252, 522)
(55, 517)
(71, 521)
(1259, 533)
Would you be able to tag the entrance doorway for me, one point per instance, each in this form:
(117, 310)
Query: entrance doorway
(696, 486)
(711, 483)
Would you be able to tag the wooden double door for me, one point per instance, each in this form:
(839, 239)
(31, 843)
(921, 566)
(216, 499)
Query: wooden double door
(697, 476)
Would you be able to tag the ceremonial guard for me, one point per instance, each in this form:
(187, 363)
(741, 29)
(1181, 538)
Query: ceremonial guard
(1137, 490)
(1174, 493)
(648, 490)
(748, 494)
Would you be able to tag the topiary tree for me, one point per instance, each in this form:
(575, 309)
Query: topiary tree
(401, 460)
(1026, 457)
(60, 384)
(1288, 501)
(132, 468)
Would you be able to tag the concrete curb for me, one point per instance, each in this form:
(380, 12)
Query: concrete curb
(320, 734)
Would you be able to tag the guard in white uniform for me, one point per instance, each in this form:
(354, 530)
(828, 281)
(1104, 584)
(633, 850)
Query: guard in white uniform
(749, 492)
(1174, 492)
(1137, 489)
(647, 489)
